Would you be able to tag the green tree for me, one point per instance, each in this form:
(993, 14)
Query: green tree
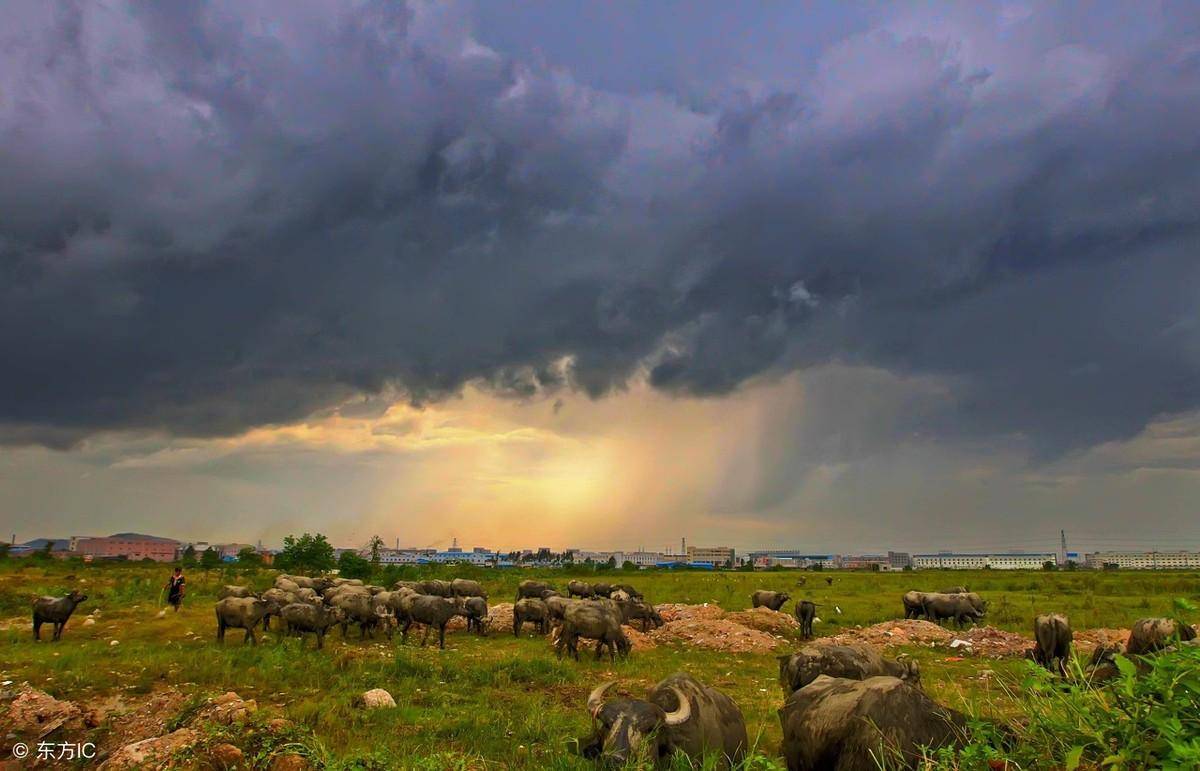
(189, 555)
(249, 557)
(210, 559)
(350, 565)
(4, 547)
(376, 546)
(612, 563)
(627, 565)
(308, 553)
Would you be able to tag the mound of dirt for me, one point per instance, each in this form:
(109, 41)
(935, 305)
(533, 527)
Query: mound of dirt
(34, 714)
(715, 634)
(678, 611)
(155, 752)
(889, 633)
(996, 643)
(766, 620)
(499, 618)
(1090, 639)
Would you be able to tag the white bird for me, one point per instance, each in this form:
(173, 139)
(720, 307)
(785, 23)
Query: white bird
(838, 609)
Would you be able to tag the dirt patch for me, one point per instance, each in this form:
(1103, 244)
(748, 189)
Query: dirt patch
(716, 634)
(892, 633)
(155, 752)
(499, 618)
(35, 714)
(1090, 639)
(677, 611)
(766, 620)
(995, 643)
(144, 721)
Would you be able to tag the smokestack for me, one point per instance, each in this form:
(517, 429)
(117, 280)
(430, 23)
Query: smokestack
(683, 546)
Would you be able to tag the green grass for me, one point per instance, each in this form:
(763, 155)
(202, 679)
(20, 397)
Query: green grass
(502, 701)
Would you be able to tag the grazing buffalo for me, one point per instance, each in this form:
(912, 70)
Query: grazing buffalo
(829, 582)
(958, 607)
(772, 600)
(56, 611)
(435, 587)
(594, 621)
(914, 603)
(602, 589)
(1149, 635)
(1052, 641)
(535, 589)
(477, 613)
(953, 590)
(857, 725)
(681, 715)
(630, 590)
(633, 610)
(532, 610)
(360, 608)
(462, 587)
(432, 611)
(855, 662)
(242, 613)
(580, 589)
(806, 611)
(302, 617)
(555, 607)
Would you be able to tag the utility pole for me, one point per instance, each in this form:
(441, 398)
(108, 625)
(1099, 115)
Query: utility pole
(1063, 535)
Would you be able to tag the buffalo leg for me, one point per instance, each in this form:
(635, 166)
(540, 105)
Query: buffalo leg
(425, 637)
(442, 637)
(404, 634)
(37, 628)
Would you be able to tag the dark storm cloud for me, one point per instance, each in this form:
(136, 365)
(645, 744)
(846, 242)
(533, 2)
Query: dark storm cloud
(216, 216)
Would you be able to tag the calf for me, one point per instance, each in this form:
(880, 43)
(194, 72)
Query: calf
(55, 610)
(477, 614)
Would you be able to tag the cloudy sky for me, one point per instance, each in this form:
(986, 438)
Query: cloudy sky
(602, 274)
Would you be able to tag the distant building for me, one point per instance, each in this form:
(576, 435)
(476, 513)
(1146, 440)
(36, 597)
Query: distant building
(899, 560)
(976, 561)
(130, 546)
(1144, 560)
(792, 558)
(643, 559)
(712, 555)
(466, 557)
(866, 562)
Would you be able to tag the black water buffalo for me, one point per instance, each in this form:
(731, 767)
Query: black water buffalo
(1052, 641)
(242, 613)
(477, 613)
(302, 617)
(854, 725)
(634, 610)
(360, 607)
(1149, 635)
(595, 621)
(806, 611)
(958, 607)
(55, 611)
(432, 611)
(580, 589)
(535, 589)
(602, 589)
(532, 610)
(435, 587)
(681, 715)
(773, 600)
(855, 662)
(462, 587)
(630, 590)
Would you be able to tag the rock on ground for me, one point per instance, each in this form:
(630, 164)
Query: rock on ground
(225, 756)
(150, 753)
(289, 761)
(35, 713)
(375, 699)
(226, 709)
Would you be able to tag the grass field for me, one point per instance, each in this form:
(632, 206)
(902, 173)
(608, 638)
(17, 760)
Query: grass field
(500, 701)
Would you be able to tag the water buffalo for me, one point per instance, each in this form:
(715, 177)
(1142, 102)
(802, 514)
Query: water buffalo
(772, 600)
(1052, 641)
(435, 587)
(853, 725)
(958, 607)
(286, 584)
(556, 606)
(602, 589)
(806, 611)
(594, 621)
(462, 587)
(580, 589)
(533, 610)
(1149, 635)
(681, 715)
(242, 613)
(856, 662)
(302, 617)
(229, 590)
(953, 590)
(535, 589)
(633, 610)
(477, 614)
(630, 590)
(914, 603)
(433, 611)
(56, 611)
(360, 608)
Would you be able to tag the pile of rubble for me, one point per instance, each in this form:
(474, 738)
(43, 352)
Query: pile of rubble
(995, 643)
(677, 611)
(716, 634)
(766, 620)
(1090, 639)
(499, 618)
(892, 633)
(33, 714)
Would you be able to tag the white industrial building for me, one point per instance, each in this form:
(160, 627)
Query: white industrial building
(1144, 560)
(998, 561)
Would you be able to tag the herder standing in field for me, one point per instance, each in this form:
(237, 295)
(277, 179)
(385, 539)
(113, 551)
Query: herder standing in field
(175, 589)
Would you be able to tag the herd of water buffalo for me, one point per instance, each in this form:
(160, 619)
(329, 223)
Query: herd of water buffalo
(841, 701)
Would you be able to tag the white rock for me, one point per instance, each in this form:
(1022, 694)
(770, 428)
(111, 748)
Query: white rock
(376, 698)
(89, 621)
(956, 643)
(114, 642)
(162, 613)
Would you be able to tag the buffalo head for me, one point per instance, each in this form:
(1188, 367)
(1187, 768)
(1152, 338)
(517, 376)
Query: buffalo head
(631, 729)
